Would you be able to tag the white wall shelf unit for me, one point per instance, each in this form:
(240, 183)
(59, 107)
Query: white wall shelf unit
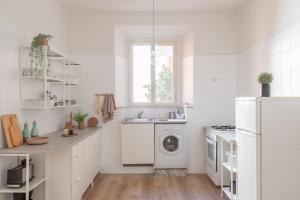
(229, 168)
(52, 85)
(72, 83)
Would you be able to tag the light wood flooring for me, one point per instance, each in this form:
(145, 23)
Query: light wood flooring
(149, 187)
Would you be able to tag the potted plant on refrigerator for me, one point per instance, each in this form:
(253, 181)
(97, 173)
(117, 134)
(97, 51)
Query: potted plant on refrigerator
(80, 117)
(265, 79)
(37, 52)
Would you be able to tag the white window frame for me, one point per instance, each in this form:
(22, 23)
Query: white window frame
(152, 103)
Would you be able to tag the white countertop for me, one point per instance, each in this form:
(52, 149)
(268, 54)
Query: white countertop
(154, 121)
(56, 142)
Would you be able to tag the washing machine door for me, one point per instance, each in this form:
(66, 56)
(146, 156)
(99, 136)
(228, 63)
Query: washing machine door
(171, 144)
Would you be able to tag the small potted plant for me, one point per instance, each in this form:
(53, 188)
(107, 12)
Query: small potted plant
(39, 42)
(80, 117)
(265, 79)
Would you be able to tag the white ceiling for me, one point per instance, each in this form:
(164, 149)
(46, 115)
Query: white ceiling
(146, 5)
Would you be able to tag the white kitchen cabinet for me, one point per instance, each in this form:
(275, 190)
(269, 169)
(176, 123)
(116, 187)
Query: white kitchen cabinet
(77, 168)
(85, 164)
(66, 166)
(137, 144)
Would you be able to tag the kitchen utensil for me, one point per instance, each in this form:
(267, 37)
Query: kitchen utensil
(16, 177)
(37, 140)
(11, 130)
(5, 119)
(93, 122)
(15, 135)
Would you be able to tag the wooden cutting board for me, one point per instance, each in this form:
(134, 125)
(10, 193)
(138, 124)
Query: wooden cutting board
(11, 130)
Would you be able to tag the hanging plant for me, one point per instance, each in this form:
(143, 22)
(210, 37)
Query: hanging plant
(38, 44)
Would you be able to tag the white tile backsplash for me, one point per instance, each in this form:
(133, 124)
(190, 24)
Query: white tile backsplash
(281, 54)
(295, 36)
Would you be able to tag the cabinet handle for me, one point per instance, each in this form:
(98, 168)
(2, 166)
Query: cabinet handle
(78, 179)
(78, 155)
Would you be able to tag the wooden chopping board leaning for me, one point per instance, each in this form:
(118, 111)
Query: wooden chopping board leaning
(11, 130)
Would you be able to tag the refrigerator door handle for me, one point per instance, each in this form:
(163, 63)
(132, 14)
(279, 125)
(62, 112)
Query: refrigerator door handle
(245, 132)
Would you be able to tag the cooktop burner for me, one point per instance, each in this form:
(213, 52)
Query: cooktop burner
(224, 128)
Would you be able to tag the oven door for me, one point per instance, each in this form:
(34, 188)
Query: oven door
(211, 153)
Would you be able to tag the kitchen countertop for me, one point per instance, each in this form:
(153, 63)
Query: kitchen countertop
(56, 142)
(154, 121)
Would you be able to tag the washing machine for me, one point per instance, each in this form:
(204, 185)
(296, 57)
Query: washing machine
(170, 146)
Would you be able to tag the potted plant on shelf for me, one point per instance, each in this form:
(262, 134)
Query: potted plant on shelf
(37, 53)
(80, 117)
(265, 79)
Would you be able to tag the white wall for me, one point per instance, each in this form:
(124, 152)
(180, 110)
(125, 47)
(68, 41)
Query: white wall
(19, 22)
(121, 68)
(214, 33)
(214, 93)
(187, 69)
(269, 35)
(213, 49)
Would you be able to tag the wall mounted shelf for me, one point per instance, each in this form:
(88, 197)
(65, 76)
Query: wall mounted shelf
(58, 76)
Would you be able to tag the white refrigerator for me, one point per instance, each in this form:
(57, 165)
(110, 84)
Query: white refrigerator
(268, 142)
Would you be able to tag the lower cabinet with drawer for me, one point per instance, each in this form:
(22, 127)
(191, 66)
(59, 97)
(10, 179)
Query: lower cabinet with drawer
(72, 170)
(85, 164)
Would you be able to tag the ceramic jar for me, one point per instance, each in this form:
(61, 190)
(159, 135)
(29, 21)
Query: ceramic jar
(34, 130)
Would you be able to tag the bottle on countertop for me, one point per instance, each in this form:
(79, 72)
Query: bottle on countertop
(26, 132)
(34, 130)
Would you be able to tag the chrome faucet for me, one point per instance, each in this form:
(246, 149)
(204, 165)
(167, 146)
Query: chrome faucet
(140, 114)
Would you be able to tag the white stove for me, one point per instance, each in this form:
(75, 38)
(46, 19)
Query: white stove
(213, 151)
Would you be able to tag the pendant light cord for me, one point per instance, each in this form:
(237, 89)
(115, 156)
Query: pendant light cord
(153, 25)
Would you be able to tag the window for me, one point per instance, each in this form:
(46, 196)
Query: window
(152, 85)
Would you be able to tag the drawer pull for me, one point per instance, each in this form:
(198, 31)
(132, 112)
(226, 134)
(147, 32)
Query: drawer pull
(77, 155)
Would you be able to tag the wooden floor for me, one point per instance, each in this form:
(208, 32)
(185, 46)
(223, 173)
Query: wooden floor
(148, 187)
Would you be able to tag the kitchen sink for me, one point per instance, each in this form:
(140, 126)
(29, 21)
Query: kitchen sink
(137, 121)
(151, 120)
